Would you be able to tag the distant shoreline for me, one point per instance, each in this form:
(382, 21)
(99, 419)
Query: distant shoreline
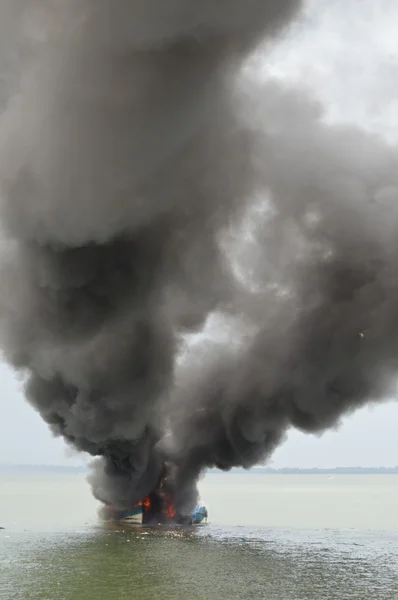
(82, 470)
(314, 471)
(37, 469)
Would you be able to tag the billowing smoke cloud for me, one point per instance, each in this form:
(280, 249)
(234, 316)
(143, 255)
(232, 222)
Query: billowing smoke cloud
(151, 186)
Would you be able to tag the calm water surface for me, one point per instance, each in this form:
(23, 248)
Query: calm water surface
(270, 537)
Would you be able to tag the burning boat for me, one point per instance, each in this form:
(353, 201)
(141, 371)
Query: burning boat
(156, 509)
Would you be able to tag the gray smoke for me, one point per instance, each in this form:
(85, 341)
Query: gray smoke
(151, 186)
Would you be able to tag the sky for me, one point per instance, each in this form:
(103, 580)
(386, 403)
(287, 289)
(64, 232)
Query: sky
(348, 58)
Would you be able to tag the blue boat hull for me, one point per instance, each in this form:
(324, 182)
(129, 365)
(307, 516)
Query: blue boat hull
(199, 515)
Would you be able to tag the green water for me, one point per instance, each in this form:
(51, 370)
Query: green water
(53, 547)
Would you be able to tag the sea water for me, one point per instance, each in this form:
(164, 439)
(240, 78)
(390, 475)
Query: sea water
(269, 537)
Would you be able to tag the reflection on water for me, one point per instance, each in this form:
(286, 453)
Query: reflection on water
(203, 563)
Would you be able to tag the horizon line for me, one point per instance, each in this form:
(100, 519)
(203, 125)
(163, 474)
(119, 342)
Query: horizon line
(270, 469)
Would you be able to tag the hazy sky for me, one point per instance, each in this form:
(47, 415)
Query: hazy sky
(349, 59)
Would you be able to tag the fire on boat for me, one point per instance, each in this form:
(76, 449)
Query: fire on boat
(156, 509)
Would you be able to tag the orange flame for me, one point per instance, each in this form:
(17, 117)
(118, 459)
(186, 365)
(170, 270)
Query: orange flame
(169, 510)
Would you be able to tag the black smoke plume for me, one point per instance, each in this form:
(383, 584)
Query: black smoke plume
(152, 189)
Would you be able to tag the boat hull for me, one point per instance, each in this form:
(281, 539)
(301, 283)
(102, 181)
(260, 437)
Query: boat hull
(199, 515)
(134, 517)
